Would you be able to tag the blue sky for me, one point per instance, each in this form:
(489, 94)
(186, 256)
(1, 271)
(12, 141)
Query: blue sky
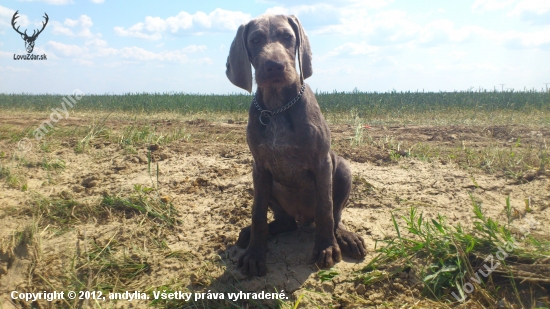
(107, 46)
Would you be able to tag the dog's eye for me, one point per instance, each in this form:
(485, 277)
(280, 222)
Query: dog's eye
(255, 40)
(287, 36)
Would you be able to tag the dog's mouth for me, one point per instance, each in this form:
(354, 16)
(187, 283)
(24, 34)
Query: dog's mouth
(277, 80)
(275, 74)
(279, 77)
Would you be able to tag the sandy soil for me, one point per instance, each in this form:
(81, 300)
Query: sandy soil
(209, 182)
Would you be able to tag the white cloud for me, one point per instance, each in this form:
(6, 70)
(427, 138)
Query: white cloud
(535, 39)
(84, 62)
(194, 48)
(141, 54)
(457, 56)
(96, 43)
(444, 31)
(66, 50)
(314, 16)
(136, 32)
(533, 11)
(184, 23)
(4, 54)
(6, 15)
(490, 5)
(54, 2)
(321, 17)
(277, 10)
(364, 3)
(84, 22)
(11, 69)
(384, 28)
(97, 48)
(98, 1)
(398, 28)
(353, 49)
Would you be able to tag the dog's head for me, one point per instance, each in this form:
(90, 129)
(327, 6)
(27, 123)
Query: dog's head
(270, 43)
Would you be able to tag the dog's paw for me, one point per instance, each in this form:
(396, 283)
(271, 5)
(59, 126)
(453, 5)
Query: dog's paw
(252, 263)
(326, 255)
(244, 238)
(351, 244)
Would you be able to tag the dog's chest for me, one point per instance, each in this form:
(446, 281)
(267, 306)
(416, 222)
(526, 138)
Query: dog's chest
(280, 149)
(277, 134)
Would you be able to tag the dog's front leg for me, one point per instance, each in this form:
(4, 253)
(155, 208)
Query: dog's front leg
(326, 251)
(252, 262)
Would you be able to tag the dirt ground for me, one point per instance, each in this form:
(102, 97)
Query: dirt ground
(206, 176)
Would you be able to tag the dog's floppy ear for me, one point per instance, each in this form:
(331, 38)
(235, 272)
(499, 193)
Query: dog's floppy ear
(302, 47)
(238, 67)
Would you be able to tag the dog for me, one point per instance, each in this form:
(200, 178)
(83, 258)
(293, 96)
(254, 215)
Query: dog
(295, 173)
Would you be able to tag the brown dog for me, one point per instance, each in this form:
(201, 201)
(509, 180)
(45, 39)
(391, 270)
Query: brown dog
(295, 173)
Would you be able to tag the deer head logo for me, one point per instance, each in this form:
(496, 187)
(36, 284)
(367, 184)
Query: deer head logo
(29, 40)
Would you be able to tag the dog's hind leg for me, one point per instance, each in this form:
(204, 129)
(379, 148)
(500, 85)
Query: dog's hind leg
(350, 243)
(283, 223)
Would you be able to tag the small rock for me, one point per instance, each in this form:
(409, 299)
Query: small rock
(328, 286)
(65, 195)
(154, 147)
(121, 167)
(382, 157)
(200, 182)
(78, 189)
(92, 184)
(86, 181)
(142, 158)
(181, 237)
(230, 121)
(399, 286)
(530, 175)
(3, 268)
(165, 199)
(360, 289)
(164, 156)
(375, 296)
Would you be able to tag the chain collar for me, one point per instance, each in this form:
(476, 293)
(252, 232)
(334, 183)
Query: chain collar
(266, 114)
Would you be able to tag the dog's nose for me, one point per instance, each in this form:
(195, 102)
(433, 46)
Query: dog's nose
(274, 66)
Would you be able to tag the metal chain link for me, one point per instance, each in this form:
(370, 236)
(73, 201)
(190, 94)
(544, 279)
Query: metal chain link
(264, 113)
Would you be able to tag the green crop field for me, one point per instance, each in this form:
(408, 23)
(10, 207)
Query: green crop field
(451, 106)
